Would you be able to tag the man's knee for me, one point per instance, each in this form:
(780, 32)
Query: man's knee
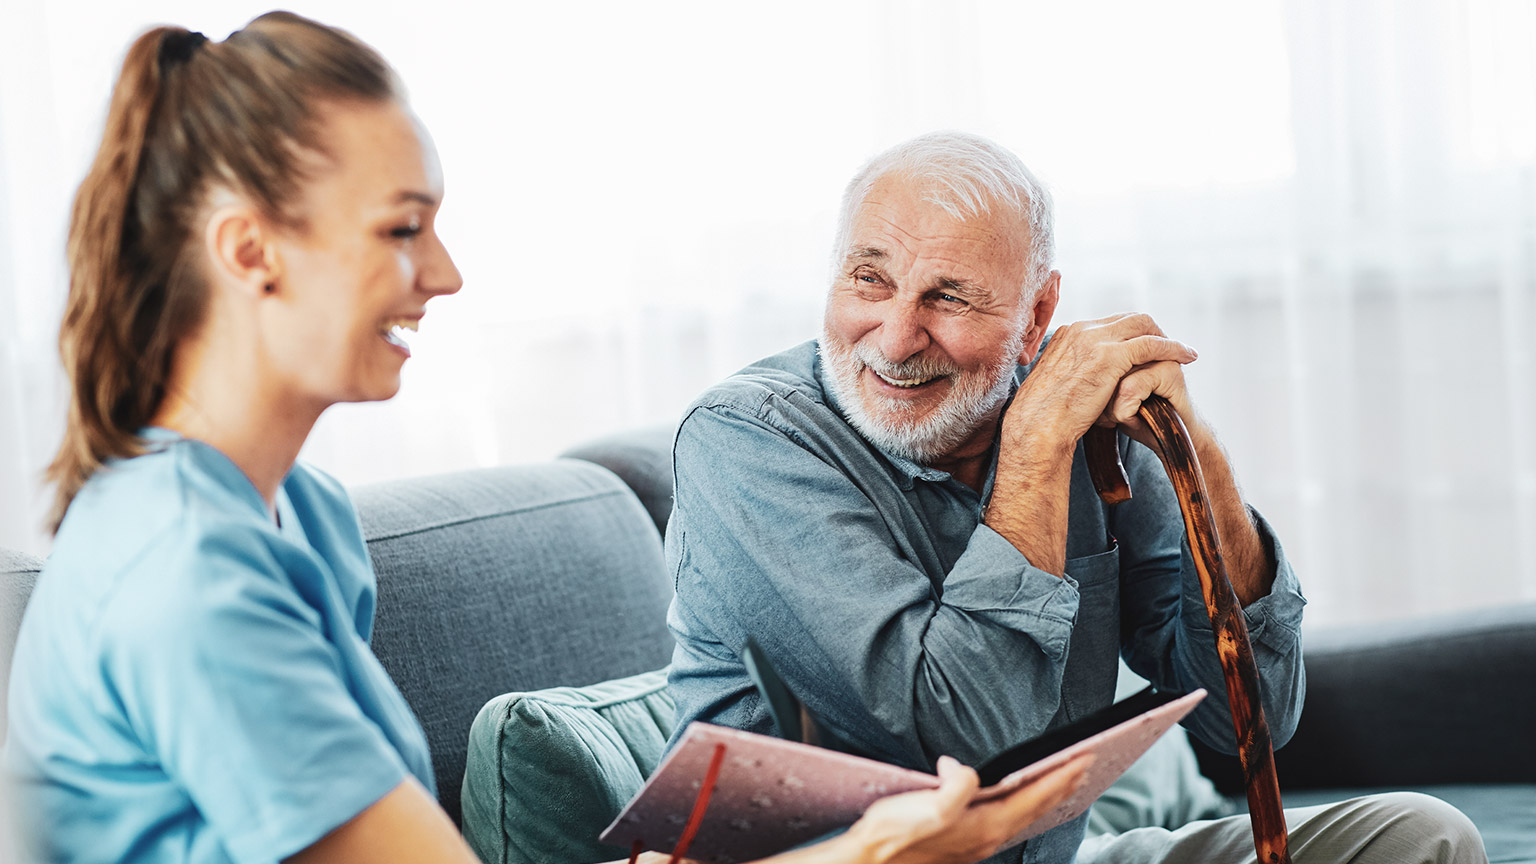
(1424, 828)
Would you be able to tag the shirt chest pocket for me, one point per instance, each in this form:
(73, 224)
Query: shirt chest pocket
(1096, 569)
(1088, 683)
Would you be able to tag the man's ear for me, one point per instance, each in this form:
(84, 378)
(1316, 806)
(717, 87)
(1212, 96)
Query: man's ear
(1040, 316)
(240, 250)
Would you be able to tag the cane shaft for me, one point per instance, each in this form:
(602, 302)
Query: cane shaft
(1255, 749)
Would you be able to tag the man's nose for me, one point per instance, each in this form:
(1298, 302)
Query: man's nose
(902, 332)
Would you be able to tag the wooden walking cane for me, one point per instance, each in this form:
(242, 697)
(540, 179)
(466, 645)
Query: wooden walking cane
(1255, 750)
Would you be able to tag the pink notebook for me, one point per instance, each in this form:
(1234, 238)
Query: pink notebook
(774, 794)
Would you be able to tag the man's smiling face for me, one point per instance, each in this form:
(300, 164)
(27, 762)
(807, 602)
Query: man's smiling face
(926, 321)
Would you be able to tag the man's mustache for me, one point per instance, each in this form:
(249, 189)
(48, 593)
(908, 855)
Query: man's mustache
(917, 366)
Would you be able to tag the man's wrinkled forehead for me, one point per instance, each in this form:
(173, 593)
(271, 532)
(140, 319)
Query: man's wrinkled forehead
(898, 217)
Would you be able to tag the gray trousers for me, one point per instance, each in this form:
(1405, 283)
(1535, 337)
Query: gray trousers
(1397, 828)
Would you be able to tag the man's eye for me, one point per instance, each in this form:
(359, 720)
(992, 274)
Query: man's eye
(950, 298)
(867, 279)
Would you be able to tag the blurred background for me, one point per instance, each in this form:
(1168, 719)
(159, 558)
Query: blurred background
(1335, 202)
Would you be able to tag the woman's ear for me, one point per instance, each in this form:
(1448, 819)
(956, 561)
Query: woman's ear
(1043, 308)
(241, 251)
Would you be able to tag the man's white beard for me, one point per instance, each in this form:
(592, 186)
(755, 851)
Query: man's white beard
(891, 424)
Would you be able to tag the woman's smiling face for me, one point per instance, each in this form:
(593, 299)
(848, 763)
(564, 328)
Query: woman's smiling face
(355, 276)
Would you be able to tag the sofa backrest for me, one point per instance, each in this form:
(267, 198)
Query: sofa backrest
(18, 573)
(643, 460)
(513, 578)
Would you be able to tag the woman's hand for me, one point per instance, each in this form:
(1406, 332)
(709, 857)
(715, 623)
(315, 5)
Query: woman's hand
(939, 827)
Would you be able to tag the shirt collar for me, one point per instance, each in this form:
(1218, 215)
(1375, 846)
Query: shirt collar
(159, 438)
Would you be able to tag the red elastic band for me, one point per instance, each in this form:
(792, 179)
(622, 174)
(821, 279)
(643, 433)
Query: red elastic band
(700, 804)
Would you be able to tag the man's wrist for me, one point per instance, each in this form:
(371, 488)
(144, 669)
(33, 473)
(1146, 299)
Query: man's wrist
(1029, 495)
(1031, 448)
(1039, 432)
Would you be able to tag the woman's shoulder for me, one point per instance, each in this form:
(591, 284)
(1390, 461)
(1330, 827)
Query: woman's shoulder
(177, 491)
(151, 550)
(167, 527)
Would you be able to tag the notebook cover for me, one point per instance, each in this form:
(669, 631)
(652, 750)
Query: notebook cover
(774, 794)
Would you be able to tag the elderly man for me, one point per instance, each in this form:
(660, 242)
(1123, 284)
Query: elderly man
(901, 515)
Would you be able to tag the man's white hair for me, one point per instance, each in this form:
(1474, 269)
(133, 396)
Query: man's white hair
(966, 175)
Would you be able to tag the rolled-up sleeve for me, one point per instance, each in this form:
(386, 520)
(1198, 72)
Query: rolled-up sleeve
(1039, 603)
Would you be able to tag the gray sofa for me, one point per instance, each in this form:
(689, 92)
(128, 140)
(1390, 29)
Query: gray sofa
(526, 577)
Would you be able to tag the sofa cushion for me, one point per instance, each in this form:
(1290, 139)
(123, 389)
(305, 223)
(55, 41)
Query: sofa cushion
(509, 579)
(549, 770)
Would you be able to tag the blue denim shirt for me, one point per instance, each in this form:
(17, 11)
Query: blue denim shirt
(910, 629)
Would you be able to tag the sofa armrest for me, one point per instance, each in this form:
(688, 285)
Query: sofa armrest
(1448, 699)
(504, 579)
(18, 575)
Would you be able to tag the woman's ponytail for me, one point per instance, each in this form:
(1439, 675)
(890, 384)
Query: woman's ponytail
(100, 364)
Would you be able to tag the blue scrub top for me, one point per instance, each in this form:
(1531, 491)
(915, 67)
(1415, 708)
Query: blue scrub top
(193, 681)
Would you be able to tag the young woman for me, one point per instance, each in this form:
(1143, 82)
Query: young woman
(193, 680)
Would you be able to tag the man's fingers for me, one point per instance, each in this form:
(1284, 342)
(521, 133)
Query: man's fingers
(1164, 378)
(1123, 324)
(1128, 325)
(1129, 340)
(1142, 350)
(1092, 372)
(1141, 382)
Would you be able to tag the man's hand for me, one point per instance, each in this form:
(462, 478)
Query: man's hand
(1098, 372)
(1091, 372)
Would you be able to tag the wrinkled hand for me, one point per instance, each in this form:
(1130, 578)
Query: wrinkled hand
(1098, 372)
(940, 826)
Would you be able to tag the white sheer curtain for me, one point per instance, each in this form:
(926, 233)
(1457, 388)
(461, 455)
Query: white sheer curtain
(1335, 202)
